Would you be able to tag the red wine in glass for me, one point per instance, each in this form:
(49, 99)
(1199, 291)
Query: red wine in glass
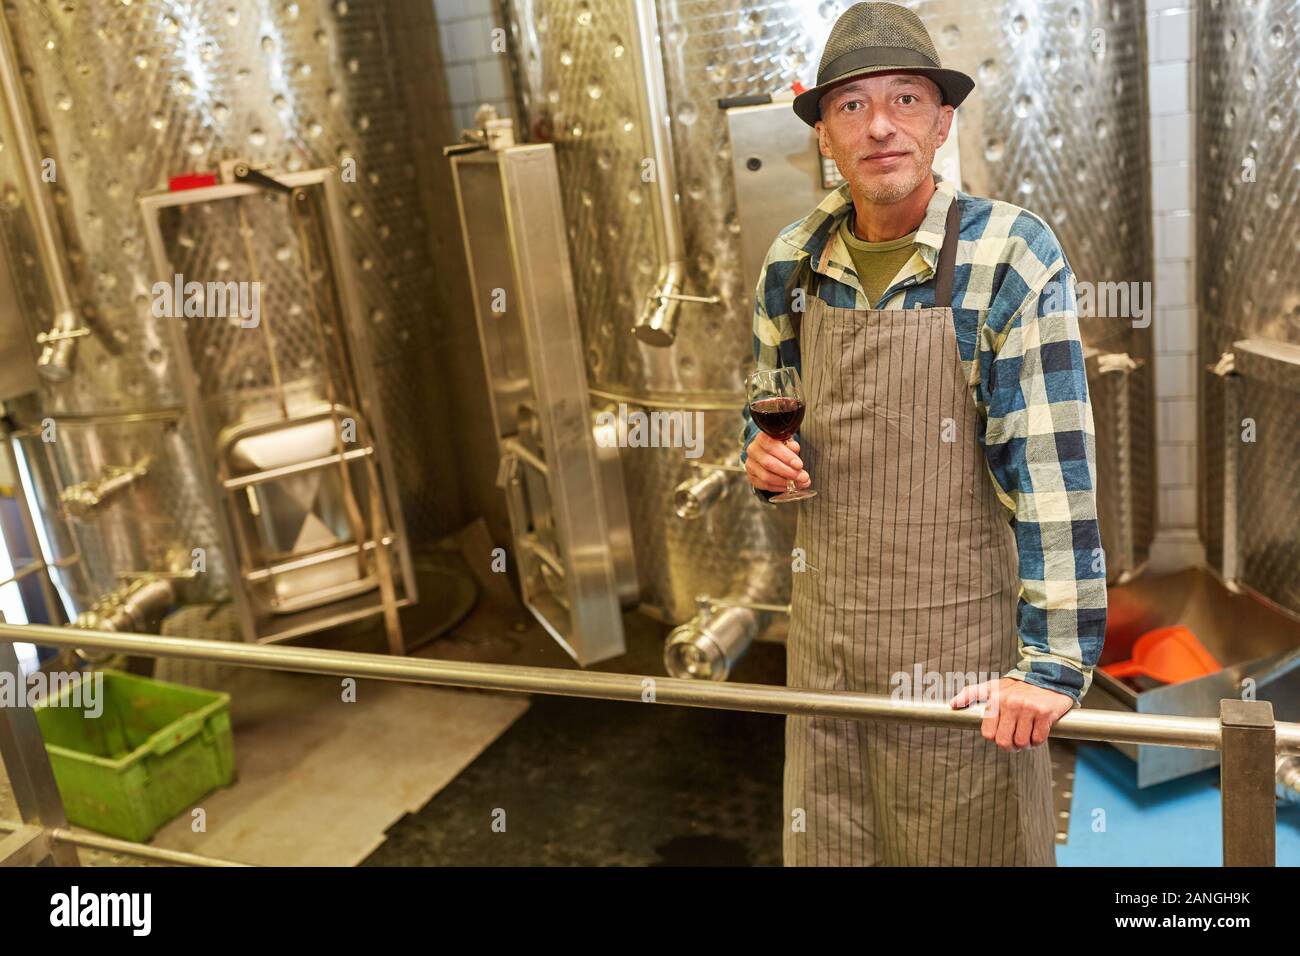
(776, 405)
(779, 417)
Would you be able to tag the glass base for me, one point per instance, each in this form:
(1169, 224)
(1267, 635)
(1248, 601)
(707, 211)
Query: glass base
(796, 495)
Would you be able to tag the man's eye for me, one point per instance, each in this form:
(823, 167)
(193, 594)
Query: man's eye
(907, 99)
(851, 105)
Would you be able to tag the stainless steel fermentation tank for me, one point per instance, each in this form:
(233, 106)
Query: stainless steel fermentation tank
(1057, 124)
(1248, 233)
(294, 458)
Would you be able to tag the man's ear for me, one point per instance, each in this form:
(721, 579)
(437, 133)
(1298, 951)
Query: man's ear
(823, 142)
(946, 113)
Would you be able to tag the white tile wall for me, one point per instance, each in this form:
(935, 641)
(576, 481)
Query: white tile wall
(1174, 235)
(1173, 36)
(1171, 53)
(1176, 420)
(475, 74)
(1175, 459)
(1175, 374)
(1179, 504)
(1172, 188)
(1175, 328)
(1174, 283)
(1170, 84)
(1172, 138)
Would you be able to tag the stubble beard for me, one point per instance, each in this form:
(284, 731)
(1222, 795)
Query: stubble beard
(886, 191)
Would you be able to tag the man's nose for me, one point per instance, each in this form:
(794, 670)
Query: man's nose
(879, 123)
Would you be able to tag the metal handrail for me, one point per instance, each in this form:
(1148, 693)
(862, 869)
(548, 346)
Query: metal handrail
(97, 841)
(1202, 733)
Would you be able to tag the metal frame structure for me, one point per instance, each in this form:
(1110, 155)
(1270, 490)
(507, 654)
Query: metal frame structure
(1245, 733)
(385, 511)
(576, 565)
(41, 563)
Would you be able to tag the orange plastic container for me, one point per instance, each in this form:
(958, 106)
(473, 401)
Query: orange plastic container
(1170, 655)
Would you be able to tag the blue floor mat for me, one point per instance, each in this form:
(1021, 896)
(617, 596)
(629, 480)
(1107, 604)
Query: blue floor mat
(1171, 824)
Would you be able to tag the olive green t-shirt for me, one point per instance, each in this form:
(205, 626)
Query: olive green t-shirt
(876, 263)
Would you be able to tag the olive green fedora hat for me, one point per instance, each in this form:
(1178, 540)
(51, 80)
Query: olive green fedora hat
(879, 38)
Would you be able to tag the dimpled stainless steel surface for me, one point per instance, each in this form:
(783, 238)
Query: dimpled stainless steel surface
(1248, 64)
(738, 547)
(234, 363)
(166, 512)
(1268, 498)
(1056, 124)
(126, 95)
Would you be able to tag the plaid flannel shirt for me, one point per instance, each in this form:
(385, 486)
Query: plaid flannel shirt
(1014, 312)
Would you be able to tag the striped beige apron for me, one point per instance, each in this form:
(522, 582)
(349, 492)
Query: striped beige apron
(910, 571)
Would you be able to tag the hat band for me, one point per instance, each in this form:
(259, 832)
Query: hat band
(874, 56)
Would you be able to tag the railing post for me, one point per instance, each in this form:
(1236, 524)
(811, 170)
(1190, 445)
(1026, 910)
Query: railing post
(22, 750)
(1247, 782)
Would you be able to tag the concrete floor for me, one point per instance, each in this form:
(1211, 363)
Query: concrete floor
(585, 782)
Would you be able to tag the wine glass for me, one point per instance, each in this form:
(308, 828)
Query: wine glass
(776, 406)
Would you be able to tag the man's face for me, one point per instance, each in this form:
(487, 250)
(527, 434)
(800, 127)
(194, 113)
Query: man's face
(883, 131)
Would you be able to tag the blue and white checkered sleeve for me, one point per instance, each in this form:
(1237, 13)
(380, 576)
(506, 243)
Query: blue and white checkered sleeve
(1041, 448)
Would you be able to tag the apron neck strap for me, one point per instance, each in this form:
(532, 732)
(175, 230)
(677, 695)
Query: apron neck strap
(947, 259)
(944, 268)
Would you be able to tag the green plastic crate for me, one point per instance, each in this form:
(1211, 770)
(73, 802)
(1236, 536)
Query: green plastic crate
(156, 749)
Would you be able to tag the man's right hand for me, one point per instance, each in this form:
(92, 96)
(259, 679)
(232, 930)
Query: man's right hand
(770, 464)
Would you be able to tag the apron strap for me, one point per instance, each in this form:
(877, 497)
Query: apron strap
(944, 269)
(807, 279)
(947, 259)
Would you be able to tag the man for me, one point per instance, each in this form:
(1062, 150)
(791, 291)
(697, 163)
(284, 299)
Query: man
(949, 438)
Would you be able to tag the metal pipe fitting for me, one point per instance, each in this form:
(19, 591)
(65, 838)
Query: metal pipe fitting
(1226, 369)
(83, 501)
(698, 494)
(709, 646)
(133, 608)
(1123, 365)
(58, 346)
(1288, 778)
(657, 322)
(55, 362)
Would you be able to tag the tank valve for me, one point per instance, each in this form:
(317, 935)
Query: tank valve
(656, 324)
(696, 495)
(134, 607)
(709, 646)
(83, 501)
(58, 346)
